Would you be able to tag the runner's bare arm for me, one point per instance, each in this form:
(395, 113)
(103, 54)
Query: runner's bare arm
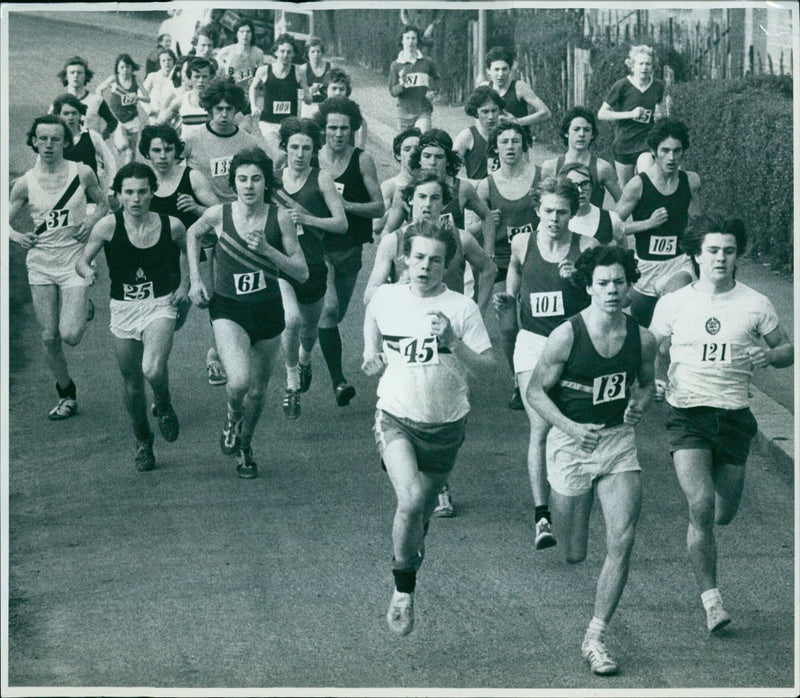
(484, 265)
(644, 391)
(18, 199)
(627, 202)
(292, 261)
(101, 233)
(94, 194)
(608, 179)
(382, 267)
(207, 223)
(374, 207)
(374, 361)
(337, 222)
(178, 232)
(540, 111)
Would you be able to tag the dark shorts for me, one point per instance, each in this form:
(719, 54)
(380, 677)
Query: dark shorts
(314, 287)
(347, 263)
(627, 158)
(435, 445)
(726, 433)
(502, 273)
(260, 320)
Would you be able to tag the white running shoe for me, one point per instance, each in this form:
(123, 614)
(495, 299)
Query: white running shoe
(716, 617)
(401, 613)
(594, 651)
(544, 535)
(444, 508)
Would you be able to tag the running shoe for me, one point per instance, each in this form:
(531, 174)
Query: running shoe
(167, 423)
(515, 403)
(231, 439)
(65, 408)
(344, 393)
(216, 373)
(401, 613)
(594, 651)
(245, 465)
(444, 509)
(306, 374)
(544, 535)
(716, 617)
(291, 403)
(89, 310)
(145, 458)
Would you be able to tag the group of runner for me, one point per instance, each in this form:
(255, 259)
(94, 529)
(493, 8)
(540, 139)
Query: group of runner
(226, 169)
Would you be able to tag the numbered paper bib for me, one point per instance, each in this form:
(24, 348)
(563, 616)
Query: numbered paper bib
(416, 80)
(645, 118)
(447, 218)
(137, 292)
(513, 230)
(244, 74)
(282, 107)
(547, 304)
(219, 166)
(419, 351)
(127, 99)
(339, 187)
(57, 218)
(608, 388)
(492, 165)
(249, 282)
(664, 244)
(714, 353)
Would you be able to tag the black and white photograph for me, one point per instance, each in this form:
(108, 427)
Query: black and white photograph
(399, 348)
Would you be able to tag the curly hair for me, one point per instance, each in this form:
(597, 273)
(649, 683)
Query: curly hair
(397, 143)
(437, 137)
(480, 96)
(605, 256)
(508, 125)
(340, 105)
(222, 91)
(252, 156)
(668, 127)
(337, 75)
(291, 126)
(166, 133)
(284, 39)
(575, 113)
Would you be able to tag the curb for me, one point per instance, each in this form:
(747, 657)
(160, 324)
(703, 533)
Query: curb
(776, 424)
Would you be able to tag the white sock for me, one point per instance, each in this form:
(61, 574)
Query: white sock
(305, 356)
(710, 597)
(293, 377)
(596, 629)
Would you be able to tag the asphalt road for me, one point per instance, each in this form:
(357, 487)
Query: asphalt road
(188, 576)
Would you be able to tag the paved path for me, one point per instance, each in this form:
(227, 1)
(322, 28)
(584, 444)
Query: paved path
(188, 576)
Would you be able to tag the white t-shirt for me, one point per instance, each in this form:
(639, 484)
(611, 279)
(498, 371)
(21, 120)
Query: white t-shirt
(709, 364)
(421, 382)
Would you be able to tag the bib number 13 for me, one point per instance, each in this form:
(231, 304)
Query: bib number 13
(608, 388)
(419, 351)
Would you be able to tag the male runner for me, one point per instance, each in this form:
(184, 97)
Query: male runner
(427, 338)
(710, 334)
(186, 103)
(403, 147)
(593, 382)
(146, 257)
(605, 226)
(238, 62)
(413, 79)
(75, 75)
(472, 144)
(55, 192)
(356, 179)
(660, 202)
(540, 291)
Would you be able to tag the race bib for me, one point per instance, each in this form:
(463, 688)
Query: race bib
(249, 282)
(513, 230)
(714, 353)
(137, 292)
(127, 99)
(608, 388)
(416, 80)
(283, 107)
(219, 166)
(57, 218)
(549, 304)
(339, 187)
(645, 118)
(419, 351)
(492, 165)
(448, 219)
(244, 74)
(664, 244)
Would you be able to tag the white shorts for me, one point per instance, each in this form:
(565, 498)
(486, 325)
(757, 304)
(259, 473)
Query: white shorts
(655, 275)
(54, 266)
(571, 470)
(527, 350)
(129, 319)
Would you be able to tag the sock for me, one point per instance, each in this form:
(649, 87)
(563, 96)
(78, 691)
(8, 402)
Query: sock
(142, 432)
(542, 512)
(162, 405)
(69, 391)
(330, 342)
(234, 416)
(304, 356)
(293, 377)
(405, 580)
(710, 597)
(596, 629)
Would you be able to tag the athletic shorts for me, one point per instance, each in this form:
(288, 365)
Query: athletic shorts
(527, 350)
(346, 263)
(627, 158)
(313, 289)
(129, 319)
(260, 320)
(410, 120)
(571, 470)
(726, 433)
(54, 266)
(502, 273)
(655, 275)
(435, 445)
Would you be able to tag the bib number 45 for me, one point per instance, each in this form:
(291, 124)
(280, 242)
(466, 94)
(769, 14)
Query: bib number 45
(419, 351)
